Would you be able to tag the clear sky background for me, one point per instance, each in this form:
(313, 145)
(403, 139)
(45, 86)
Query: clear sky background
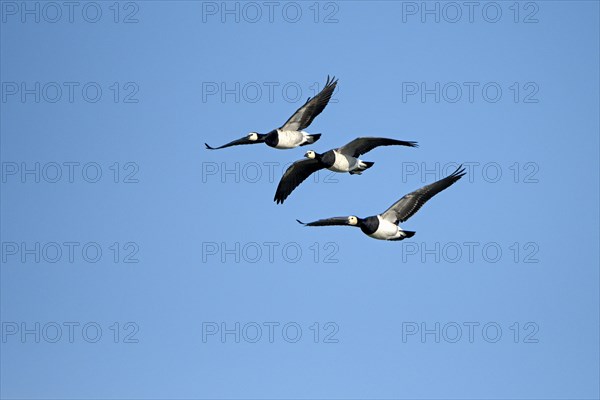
(502, 275)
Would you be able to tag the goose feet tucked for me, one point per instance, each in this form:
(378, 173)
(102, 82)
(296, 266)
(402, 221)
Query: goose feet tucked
(364, 165)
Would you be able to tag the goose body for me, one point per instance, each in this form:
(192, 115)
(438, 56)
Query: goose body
(282, 139)
(291, 134)
(384, 229)
(335, 161)
(344, 163)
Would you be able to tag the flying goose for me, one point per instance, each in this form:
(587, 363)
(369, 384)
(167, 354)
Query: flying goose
(291, 134)
(342, 159)
(385, 226)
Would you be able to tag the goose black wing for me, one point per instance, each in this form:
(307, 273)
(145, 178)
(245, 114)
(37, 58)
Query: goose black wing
(408, 205)
(237, 142)
(327, 222)
(304, 116)
(294, 176)
(363, 145)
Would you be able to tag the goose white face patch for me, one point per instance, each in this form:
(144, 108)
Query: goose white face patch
(253, 136)
(310, 154)
(352, 220)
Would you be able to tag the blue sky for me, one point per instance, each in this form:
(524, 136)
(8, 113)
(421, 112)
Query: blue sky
(137, 264)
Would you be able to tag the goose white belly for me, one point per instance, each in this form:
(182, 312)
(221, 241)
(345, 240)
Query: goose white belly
(386, 230)
(343, 163)
(289, 139)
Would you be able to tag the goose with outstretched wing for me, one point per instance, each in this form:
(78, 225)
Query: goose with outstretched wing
(291, 134)
(342, 159)
(385, 226)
